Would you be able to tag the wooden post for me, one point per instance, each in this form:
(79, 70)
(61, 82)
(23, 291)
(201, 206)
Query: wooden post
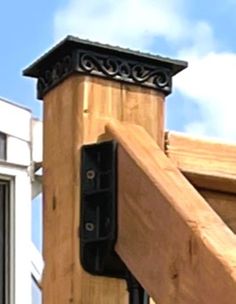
(83, 86)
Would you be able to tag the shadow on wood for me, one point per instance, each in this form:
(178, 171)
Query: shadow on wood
(206, 164)
(171, 239)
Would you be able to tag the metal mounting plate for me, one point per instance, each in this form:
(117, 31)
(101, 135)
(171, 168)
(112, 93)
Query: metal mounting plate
(98, 218)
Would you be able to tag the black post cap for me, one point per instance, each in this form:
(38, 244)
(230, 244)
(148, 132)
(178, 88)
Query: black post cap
(74, 55)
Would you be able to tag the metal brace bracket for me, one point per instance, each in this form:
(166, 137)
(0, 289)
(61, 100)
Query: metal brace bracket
(98, 217)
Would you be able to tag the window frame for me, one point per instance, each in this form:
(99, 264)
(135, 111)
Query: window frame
(8, 182)
(3, 140)
(19, 274)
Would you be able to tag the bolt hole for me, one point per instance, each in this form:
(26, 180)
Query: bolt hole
(90, 174)
(89, 227)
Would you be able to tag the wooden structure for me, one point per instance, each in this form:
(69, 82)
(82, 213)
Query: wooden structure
(164, 221)
(176, 195)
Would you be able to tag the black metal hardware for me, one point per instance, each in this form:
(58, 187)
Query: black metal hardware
(137, 295)
(98, 211)
(74, 55)
(98, 219)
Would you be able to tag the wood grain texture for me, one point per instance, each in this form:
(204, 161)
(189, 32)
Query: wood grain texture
(171, 239)
(224, 204)
(75, 113)
(210, 165)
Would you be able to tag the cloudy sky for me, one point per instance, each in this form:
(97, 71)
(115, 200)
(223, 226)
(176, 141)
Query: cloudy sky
(202, 32)
(199, 31)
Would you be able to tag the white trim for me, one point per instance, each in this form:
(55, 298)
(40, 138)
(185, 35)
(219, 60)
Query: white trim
(10, 240)
(13, 103)
(13, 165)
(37, 140)
(20, 234)
(36, 186)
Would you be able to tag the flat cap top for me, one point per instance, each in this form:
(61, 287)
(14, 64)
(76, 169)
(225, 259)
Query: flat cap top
(71, 42)
(74, 55)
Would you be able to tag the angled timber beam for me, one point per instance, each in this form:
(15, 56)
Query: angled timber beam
(168, 235)
(207, 164)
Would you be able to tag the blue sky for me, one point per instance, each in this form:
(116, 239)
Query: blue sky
(26, 30)
(201, 32)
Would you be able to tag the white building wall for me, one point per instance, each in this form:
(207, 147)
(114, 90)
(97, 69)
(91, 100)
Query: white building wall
(18, 151)
(17, 123)
(37, 140)
(15, 120)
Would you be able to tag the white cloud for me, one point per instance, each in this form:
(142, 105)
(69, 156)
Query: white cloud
(209, 80)
(129, 23)
(196, 128)
(201, 40)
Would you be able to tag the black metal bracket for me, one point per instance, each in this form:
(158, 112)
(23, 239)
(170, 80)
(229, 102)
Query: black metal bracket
(74, 55)
(98, 217)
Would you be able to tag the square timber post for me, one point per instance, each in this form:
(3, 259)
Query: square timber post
(83, 86)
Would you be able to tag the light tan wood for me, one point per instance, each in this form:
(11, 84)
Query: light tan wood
(171, 239)
(210, 165)
(75, 113)
(224, 204)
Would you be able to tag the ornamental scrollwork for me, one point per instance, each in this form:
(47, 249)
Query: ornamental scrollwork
(125, 70)
(54, 75)
(107, 66)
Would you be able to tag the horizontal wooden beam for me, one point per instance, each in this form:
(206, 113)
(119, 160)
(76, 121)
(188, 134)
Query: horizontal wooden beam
(207, 164)
(170, 238)
(224, 204)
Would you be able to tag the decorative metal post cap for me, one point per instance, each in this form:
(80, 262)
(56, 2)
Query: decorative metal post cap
(74, 55)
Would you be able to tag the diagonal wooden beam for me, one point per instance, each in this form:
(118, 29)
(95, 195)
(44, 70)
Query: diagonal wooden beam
(174, 243)
(207, 164)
